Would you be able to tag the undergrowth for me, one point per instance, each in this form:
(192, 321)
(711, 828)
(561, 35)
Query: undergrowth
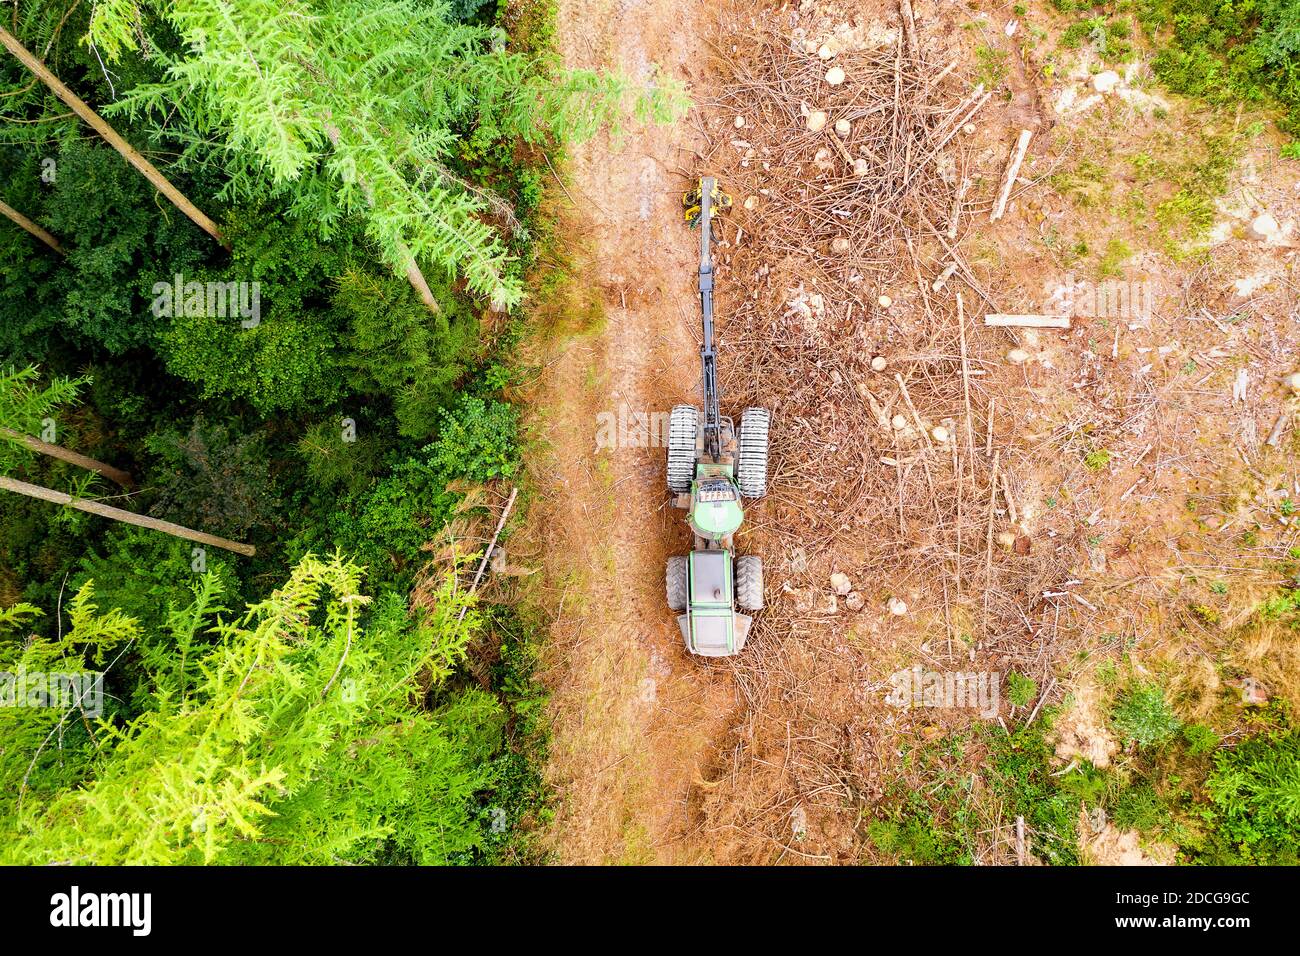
(1224, 790)
(1223, 52)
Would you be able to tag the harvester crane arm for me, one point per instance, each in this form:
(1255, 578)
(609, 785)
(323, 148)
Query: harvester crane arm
(708, 357)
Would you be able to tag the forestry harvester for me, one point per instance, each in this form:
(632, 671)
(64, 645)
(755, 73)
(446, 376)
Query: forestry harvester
(712, 468)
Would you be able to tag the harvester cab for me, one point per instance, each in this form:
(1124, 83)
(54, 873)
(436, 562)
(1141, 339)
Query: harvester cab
(712, 467)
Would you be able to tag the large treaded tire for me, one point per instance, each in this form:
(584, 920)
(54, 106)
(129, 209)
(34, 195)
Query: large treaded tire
(682, 427)
(749, 582)
(751, 464)
(676, 584)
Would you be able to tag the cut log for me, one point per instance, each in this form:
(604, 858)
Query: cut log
(126, 517)
(998, 320)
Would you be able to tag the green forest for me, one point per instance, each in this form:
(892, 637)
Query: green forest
(279, 304)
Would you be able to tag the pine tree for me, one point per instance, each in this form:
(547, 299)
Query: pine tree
(352, 107)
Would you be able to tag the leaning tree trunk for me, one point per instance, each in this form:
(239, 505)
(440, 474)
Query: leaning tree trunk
(128, 517)
(418, 283)
(13, 214)
(116, 475)
(96, 122)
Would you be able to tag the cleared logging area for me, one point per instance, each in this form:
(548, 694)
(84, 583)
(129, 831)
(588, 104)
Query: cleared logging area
(892, 489)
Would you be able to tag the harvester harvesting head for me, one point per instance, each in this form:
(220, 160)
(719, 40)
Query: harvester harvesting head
(712, 467)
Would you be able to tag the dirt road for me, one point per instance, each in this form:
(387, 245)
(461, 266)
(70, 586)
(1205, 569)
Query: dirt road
(656, 756)
(633, 717)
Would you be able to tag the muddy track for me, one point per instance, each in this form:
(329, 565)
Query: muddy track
(635, 720)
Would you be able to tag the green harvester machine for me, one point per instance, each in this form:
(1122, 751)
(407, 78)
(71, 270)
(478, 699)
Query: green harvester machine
(712, 467)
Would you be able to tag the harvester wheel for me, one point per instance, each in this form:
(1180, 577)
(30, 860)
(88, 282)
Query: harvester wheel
(677, 585)
(751, 465)
(682, 426)
(749, 582)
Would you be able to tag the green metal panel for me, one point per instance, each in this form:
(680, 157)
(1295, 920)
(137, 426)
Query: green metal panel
(716, 520)
(713, 629)
(710, 580)
(716, 509)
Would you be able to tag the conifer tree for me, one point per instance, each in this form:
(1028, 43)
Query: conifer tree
(352, 107)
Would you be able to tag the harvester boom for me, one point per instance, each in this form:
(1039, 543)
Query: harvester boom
(708, 358)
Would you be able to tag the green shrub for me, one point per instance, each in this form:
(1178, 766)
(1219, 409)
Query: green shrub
(386, 526)
(992, 66)
(915, 840)
(145, 574)
(477, 440)
(213, 478)
(335, 463)
(1108, 36)
(1097, 459)
(1021, 690)
(1225, 51)
(395, 347)
(1143, 716)
(1282, 606)
(117, 245)
(290, 358)
(1200, 739)
(1255, 793)
(1140, 808)
(315, 733)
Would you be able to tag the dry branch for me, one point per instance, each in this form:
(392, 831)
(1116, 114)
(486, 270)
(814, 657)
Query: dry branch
(487, 555)
(1013, 170)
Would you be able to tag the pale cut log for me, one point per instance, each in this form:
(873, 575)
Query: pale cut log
(1001, 321)
(1013, 170)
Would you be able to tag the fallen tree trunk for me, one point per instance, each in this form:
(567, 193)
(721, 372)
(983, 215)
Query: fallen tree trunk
(100, 126)
(15, 216)
(126, 517)
(116, 475)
